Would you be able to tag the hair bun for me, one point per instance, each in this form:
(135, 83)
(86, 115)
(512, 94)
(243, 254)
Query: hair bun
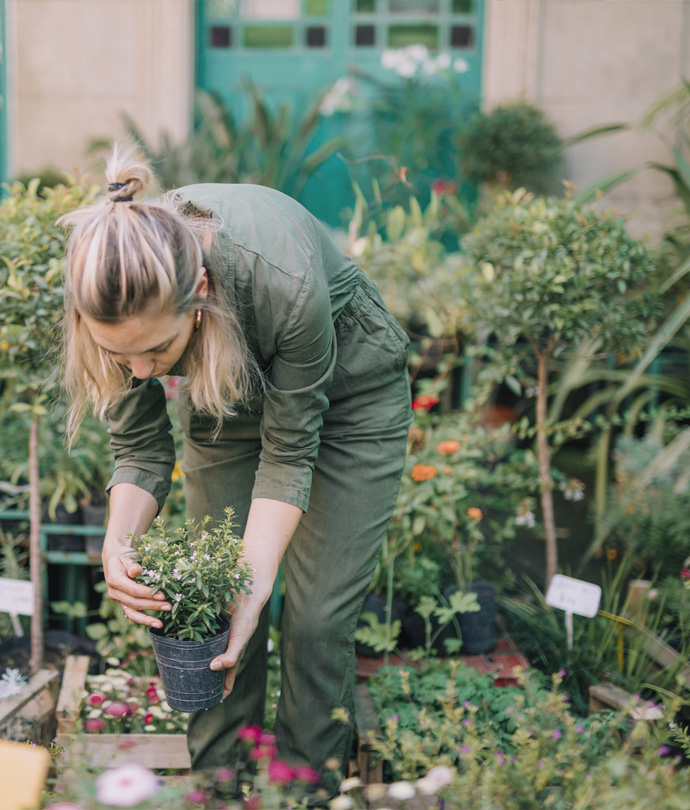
(127, 174)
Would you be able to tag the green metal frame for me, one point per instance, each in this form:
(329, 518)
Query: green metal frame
(4, 126)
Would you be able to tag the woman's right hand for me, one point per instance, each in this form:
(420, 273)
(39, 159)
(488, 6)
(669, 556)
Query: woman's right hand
(132, 511)
(120, 574)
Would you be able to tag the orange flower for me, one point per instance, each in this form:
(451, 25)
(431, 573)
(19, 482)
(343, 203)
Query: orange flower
(417, 547)
(423, 472)
(474, 513)
(612, 553)
(448, 447)
(447, 469)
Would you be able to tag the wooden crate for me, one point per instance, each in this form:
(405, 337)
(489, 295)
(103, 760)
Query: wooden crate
(109, 750)
(33, 709)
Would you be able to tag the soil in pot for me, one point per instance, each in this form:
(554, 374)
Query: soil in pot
(189, 684)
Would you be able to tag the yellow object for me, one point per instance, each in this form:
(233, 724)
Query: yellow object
(23, 772)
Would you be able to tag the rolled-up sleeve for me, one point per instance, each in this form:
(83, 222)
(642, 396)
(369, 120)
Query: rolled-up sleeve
(295, 398)
(141, 439)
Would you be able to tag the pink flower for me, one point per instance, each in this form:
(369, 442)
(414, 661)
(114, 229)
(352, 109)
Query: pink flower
(152, 695)
(267, 738)
(557, 734)
(197, 796)
(118, 709)
(262, 752)
(225, 775)
(685, 573)
(96, 700)
(306, 774)
(250, 733)
(252, 802)
(280, 772)
(126, 786)
(93, 725)
(148, 718)
(63, 806)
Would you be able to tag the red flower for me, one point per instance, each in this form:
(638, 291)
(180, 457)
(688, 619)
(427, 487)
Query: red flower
(152, 695)
(444, 187)
(148, 718)
(685, 573)
(96, 700)
(93, 725)
(249, 733)
(280, 772)
(424, 402)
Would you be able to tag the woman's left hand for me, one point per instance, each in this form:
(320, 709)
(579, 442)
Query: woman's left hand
(244, 618)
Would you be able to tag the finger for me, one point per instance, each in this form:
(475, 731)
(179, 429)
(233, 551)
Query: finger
(229, 682)
(137, 600)
(138, 617)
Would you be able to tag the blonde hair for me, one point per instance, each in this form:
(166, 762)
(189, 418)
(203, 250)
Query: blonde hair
(123, 256)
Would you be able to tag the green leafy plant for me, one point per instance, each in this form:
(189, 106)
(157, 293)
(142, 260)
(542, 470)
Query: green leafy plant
(546, 273)
(270, 149)
(199, 569)
(512, 146)
(32, 250)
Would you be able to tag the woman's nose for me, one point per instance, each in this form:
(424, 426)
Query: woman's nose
(142, 368)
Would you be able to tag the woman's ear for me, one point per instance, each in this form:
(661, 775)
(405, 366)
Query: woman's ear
(202, 283)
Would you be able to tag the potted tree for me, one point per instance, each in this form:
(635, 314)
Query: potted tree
(200, 570)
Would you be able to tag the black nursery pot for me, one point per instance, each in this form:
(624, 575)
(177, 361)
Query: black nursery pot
(477, 630)
(377, 604)
(188, 682)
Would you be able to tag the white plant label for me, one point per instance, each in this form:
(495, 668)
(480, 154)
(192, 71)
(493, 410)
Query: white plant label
(574, 595)
(16, 597)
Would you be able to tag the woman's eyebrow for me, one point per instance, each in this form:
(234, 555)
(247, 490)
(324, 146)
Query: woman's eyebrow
(157, 348)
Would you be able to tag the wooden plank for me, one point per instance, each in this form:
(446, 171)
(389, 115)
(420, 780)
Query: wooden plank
(370, 767)
(73, 684)
(34, 699)
(665, 655)
(608, 696)
(150, 750)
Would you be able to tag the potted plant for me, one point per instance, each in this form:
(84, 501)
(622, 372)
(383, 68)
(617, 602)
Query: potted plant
(200, 570)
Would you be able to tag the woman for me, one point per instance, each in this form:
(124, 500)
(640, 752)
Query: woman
(295, 410)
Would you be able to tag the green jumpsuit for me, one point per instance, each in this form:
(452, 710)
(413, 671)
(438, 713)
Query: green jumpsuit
(328, 435)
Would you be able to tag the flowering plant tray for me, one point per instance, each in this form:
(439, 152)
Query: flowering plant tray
(121, 719)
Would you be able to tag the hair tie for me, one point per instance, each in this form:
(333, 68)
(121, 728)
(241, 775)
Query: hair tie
(116, 187)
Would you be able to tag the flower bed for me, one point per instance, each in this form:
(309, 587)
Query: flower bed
(28, 710)
(125, 718)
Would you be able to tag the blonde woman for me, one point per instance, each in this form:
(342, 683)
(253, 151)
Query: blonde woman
(295, 410)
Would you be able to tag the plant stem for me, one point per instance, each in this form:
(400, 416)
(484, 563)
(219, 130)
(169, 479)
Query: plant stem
(544, 456)
(35, 549)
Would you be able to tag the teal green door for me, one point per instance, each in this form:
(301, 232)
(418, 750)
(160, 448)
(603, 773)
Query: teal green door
(4, 130)
(293, 50)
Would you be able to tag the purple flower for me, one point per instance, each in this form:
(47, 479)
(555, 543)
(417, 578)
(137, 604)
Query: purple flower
(580, 729)
(465, 750)
(510, 709)
(467, 722)
(467, 704)
(557, 734)
(562, 673)
(664, 751)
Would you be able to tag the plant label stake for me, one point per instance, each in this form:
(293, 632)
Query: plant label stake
(573, 596)
(16, 597)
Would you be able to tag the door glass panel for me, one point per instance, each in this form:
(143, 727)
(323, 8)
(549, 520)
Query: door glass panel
(365, 7)
(461, 7)
(461, 36)
(221, 36)
(316, 8)
(421, 8)
(365, 36)
(399, 36)
(268, 36)
(269, 9)
(222, 8)
(316, 36)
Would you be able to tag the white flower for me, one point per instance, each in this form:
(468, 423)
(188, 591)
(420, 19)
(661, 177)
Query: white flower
(526, 519)
(11, 683)
(406, 68)
(178, 597)
(401, 791)
(342, 803)
(443, 61)
(126, 786)
(460, 65)
(149, 728)
(440, 776)
(418, 53)
(390, 59)
(270, 645)
(349, 784)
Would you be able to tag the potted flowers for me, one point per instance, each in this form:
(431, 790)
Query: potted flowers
(200, 570)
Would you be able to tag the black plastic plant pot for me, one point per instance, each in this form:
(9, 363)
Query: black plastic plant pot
(479, 629)
(188, 682)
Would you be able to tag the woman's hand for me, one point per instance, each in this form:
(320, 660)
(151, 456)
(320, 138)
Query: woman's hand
(132, 511)
(244, 618)
(120, 574)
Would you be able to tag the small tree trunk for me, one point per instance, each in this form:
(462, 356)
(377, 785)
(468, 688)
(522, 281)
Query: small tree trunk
(544, 457)
(35, 549)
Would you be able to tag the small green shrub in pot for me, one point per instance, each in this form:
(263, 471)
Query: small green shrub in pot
(201, 570)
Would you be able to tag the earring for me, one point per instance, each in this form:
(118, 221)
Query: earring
(197, 318)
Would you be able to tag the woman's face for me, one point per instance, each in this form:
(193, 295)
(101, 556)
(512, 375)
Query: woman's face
(148, 344)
